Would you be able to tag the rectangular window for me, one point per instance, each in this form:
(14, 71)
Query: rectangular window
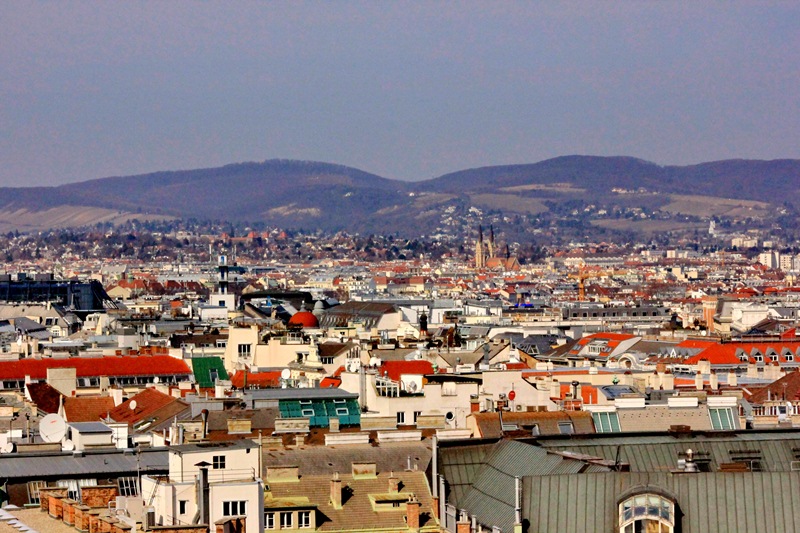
(128, 486)
(218, 462)
(243, 351)
(401, 417)
(326, 360)
(269, 520)
(722, 418)
(234, 508)
(307, 412)
(33, 491)
(286, 520)
(74, 486)
(417, 414)
(565, 428)
(304, 519)
(606, 422)
(342, 411)
(183, 506)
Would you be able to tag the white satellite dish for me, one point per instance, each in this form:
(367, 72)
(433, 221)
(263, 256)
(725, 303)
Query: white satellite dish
(412, 386)
(156, 380)
(286, 373)
(68, 446)
(52, 428)
(8, 447)
(132, 405)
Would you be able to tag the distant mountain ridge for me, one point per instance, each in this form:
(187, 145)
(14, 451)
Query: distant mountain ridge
(309, 194)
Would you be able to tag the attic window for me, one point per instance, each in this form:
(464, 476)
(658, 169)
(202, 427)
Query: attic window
(389, 502)
(566, 428)
(606, 422)
(722, 419)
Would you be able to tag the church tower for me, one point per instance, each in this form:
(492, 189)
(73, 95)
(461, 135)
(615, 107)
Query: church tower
(479, 263)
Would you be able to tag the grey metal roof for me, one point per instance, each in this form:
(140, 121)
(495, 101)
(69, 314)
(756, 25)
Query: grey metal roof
(490, 498)
(91, 464)
(90, 427)
(298, 394)
(729, 502)
(660, 453)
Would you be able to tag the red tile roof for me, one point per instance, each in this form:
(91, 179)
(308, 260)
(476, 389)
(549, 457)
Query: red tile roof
(260, 379)
(87, 409)
(142, 365)
(729, 353)
(147, 402)
(395, 369)
(328, 382)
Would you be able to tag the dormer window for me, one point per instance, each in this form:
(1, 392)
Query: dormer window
(647, 513)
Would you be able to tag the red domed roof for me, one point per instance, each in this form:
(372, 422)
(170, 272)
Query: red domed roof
(305, 319)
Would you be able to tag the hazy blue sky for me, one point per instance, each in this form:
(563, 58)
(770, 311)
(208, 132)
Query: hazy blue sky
(407, 90)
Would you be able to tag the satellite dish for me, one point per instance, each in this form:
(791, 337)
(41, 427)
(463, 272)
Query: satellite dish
(286, 373)
(412, 386)
(156, 380)
(68, 446)
(8, 447)
(449, 416)
(132, 405)
(52, 428)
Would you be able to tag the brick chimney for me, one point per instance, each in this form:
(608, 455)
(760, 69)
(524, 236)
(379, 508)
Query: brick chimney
(336, 491)
(412, 514)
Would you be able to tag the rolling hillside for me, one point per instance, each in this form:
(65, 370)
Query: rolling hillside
(302, 194)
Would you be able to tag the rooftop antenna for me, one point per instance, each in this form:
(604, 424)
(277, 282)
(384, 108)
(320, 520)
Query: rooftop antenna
(52, 428)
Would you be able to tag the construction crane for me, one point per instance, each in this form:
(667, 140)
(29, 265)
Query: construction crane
(584, 274)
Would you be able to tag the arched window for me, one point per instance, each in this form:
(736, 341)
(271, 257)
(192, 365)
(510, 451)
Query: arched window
(647, 513)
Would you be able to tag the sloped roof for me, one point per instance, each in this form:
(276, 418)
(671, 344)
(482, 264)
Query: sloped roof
(357, 513)
(489, 422)
(260, 379)
(139, 365)
(146, 404)
(491, 498)
(46, 397)
(203, 366)
(786, 388)
(88, 409)
(395, 369)
(734, 502)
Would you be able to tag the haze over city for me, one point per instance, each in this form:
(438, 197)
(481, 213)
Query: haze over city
(403, 90)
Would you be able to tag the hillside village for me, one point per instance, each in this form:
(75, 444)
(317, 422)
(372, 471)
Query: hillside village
(329, 392)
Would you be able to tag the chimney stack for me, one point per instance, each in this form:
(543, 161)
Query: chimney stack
(698, 381)
(713, 380)
(733, 380)
(336, 491)
(394, 483)
(412, 514)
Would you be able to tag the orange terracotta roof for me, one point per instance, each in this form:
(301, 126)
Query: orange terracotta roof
(147, 402)
(88, 409)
